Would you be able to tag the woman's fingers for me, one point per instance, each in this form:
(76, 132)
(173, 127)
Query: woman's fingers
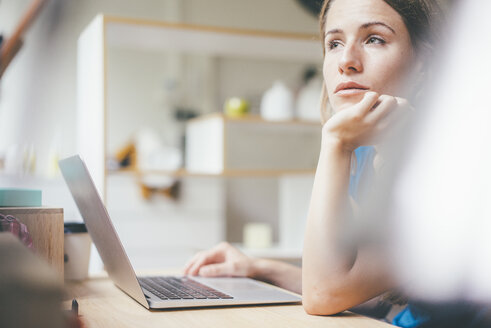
(220, 269)
(385, 107)
(364, 122)
(213, 255)
(392, 119)
(191, 262)
(223, 252)
(397, 115)
(369, 101)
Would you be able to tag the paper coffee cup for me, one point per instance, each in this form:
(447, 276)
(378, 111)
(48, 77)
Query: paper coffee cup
(77, 251)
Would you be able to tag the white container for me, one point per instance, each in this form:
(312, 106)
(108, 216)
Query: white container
(309, 101)
(277, 103)
(258, 235)
(77, 251)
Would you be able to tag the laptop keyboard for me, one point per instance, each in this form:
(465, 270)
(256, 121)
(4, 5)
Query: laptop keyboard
(173, 288)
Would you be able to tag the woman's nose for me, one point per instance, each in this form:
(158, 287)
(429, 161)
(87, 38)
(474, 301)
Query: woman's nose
(350, 61)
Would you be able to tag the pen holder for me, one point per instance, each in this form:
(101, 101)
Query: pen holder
(45, 225)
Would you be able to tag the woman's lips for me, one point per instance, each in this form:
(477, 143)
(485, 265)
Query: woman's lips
(350, 89)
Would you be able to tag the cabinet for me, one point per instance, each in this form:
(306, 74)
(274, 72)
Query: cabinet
(94, 119)
(216, 144)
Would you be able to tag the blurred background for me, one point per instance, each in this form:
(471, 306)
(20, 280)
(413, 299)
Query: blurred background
(152, 93)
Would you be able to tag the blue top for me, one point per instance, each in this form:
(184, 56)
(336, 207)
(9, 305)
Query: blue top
(362, 168)
(411, 316)
(446, 314)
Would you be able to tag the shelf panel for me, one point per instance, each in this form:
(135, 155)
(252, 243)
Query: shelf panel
(254, 119)
(228, 173)
(210, 40)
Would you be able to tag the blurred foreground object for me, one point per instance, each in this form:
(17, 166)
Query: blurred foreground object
(10, 224)
(440, 192)
(45, 226)
(11, 46)
(30, 292)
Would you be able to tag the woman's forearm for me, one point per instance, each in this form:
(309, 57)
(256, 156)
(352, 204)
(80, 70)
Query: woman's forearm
(335, 277)
(328, 211)
(326, 274)
(279, 273)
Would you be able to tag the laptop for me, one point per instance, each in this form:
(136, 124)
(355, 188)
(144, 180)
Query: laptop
(157, 292)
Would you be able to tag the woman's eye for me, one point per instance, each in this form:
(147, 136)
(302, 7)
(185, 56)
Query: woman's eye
(375, 40)
(333, 44)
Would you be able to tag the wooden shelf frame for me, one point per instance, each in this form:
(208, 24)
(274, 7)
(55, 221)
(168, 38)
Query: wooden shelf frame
(250, 118)
(106, 31)
(227, 174)
(211, 40)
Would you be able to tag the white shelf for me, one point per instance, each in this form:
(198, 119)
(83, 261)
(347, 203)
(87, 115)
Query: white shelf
(218, 145)
(182, 173)
(209, 40)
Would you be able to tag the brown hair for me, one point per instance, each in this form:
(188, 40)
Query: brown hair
(422, 19)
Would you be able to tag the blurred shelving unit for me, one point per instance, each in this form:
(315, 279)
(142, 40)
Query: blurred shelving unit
(296, 142)
(216, 144)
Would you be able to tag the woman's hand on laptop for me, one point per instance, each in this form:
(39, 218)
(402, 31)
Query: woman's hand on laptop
(221, 260)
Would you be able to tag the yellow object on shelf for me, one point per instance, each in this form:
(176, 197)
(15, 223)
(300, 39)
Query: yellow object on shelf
(236, 107)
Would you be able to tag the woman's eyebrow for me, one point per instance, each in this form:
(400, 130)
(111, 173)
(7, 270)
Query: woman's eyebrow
(369, 24)
(334, 31)
(364, 26)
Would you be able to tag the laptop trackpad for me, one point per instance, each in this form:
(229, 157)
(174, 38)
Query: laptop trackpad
(247, 289)
(225, 284)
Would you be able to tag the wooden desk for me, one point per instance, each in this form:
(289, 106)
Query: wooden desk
(101, 304)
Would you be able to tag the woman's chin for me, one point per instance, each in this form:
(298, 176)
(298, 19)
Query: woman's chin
(345, 102)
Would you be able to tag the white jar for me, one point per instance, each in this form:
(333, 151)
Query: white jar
(277, 103)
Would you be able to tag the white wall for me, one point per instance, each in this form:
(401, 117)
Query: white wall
(276, 15)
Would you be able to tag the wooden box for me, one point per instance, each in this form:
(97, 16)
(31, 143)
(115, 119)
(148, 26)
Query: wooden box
(46, 228)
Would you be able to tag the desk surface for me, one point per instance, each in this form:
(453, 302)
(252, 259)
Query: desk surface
(101, 304)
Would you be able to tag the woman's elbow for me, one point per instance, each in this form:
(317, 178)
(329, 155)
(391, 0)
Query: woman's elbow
(322, 304)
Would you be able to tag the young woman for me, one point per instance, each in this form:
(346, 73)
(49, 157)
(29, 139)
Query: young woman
(371, 49)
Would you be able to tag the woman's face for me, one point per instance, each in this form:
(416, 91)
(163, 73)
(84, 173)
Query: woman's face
(368, 47)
